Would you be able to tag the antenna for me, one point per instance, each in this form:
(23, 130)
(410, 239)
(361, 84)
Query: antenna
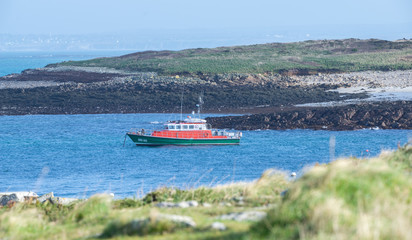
(199, 106)
(181, 106)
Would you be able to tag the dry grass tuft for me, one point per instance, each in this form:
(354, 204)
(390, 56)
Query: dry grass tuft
(347, 199)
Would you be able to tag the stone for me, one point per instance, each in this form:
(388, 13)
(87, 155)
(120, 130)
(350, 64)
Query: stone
(283, 193)
(193, 203)
(225, 204)
(45, 197)
(6, 199)
(244, 216)
(62, 201)
(184, 204)
(238, 199)
(206, 205)
(218, 226)
(177, 219)
(21, 196)
(165, 205)
(141, 226)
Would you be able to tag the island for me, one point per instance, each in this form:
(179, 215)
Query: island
(323, 84)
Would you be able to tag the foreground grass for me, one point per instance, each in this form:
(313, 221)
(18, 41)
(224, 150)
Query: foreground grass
(347, 199)
(102, 217)
(327, 55)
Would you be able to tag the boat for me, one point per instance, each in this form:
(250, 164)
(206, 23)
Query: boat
(190, 131)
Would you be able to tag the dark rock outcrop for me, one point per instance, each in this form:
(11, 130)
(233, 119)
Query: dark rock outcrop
(76, 90)
(384, 115)
(7, 199)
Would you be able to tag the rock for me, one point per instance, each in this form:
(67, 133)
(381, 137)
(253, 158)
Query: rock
(283, 193)
(239, 201)
(265, 207)
(177, 219)
(218, 226)
(193, 203)
(21, 196)
(184, 204)
(225, 204)
(62, 201)
(7, 199)
(348, 117)
(206, 205)
(165, 205)
(244, 216)
(145, 226)
(45, 197)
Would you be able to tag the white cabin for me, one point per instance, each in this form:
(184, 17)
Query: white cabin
(189, 124)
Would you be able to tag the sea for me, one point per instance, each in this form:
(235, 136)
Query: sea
(81, 155)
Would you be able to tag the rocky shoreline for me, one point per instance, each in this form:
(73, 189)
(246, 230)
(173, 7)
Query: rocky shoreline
(281, 101)
(89, 90)
(374, 115)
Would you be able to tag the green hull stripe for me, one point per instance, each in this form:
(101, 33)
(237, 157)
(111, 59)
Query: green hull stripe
(149, 140)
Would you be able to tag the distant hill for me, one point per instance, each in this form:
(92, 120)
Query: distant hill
(291, 58)
(232, 79)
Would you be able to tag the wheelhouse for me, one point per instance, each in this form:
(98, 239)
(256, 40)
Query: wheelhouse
(189, 124)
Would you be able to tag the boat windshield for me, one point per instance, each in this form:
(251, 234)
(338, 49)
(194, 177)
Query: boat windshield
(187, 126)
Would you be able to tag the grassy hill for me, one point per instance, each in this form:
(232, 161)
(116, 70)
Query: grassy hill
(299, 57)
(231, 78)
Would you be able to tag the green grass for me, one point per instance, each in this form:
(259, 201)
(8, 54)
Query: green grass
(347, 199)
(100, 216)
(327, 55)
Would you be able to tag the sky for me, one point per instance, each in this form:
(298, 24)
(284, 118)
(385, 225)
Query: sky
(124, 16)
(179, 24)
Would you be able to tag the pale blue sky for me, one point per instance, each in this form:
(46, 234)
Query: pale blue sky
(130, 16)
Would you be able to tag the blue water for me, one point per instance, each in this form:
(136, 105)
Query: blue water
(15, 62)
(79, 155)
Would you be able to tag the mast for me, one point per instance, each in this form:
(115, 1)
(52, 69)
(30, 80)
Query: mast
(181, 106)
(199, 106)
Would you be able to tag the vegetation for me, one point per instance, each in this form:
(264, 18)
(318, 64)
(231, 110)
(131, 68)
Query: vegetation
(309, 56)
(102, 217)
(346, 199)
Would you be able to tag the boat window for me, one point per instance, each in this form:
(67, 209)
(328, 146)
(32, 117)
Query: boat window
(184, 126)
(191, 127)
(171, 126)
(177, 126)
